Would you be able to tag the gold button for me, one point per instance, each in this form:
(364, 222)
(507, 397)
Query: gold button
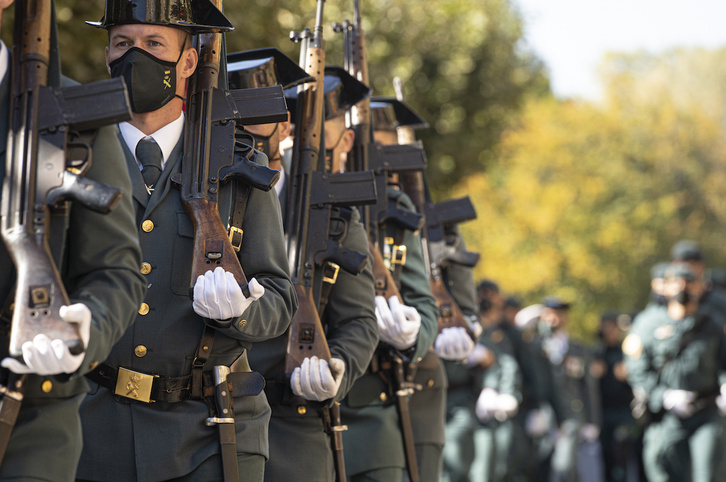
(430, 383)
(147, 226)
(47, 386)
(94, 365)
(383, 396)
(143, 309)
(302, 410)
(145, 268)
(242, 323)
(140, 351)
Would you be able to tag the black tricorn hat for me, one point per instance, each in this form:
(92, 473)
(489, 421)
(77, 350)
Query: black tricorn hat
(263, 68)
(686, 250)
(194, 15)
(555, 302)
(387, 113)
(341, 91)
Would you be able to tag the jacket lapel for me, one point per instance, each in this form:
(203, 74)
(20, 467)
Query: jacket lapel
(172, 167)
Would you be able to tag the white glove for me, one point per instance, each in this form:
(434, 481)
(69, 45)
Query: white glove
(477, 329)
(217, 295)
(317, 379)
(486, 404)
(589, 432)
(506, 407)
(44, 356)
(679, 402)
(453, 343)
(721, 400)
(398, 324)
(478, 355)
(536, 423)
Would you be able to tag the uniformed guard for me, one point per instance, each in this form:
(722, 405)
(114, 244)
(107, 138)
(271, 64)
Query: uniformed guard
(683, 358)
(579, 413)
(619, 431)
(689, 253)
(148, 414)
(300, 427)
(464, 379)
(374, 444)
(100, 274)
(501, 393)
(428, 403)
(519, 462)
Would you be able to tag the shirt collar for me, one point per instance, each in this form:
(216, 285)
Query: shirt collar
(280, 182)
(167, 137)
(4, 60)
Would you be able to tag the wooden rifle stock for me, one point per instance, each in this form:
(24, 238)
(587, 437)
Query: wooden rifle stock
(306, 335)
(200, 185)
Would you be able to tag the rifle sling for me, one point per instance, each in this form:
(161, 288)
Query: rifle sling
(397, 267)
(10, 400)
(238, 205)
(330, 270)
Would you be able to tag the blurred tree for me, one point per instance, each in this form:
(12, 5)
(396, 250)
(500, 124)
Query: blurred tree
(462, 62)
(586, 198)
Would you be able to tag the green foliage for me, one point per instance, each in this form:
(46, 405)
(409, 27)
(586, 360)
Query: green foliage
(586, 198)
(461, 62)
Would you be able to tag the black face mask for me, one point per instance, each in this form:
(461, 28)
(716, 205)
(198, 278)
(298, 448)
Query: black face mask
(263, 144)
(151, 82)
(660, 300)
(681, 297)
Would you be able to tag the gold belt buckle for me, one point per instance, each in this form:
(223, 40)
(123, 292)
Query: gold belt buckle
(235, 237)
(134, 385)
(398, 255)
(331, 278)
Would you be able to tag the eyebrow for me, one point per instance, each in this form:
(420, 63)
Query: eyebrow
(154, 36)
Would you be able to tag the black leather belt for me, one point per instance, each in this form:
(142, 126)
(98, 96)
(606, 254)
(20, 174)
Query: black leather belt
(148, 388)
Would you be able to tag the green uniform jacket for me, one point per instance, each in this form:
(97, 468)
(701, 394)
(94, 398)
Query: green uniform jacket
(298, 444)
(464, 383)
(102, 271)
(696, 368)
(578, 391)
(373, 439)
(124, 439)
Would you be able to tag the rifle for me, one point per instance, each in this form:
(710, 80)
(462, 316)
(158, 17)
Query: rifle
(45, 124)
(48, 150)
(432, 236)
(382, 160)
(213, 113)
(313, 195)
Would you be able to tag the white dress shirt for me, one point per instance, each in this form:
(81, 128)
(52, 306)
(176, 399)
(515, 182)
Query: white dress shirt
(166, 137)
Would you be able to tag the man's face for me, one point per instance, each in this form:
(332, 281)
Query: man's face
(164, 43)
(340, 140)
(274, 132)
(555, 318)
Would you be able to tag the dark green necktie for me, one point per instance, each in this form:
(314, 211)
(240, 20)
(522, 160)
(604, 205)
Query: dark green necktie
(149, 155)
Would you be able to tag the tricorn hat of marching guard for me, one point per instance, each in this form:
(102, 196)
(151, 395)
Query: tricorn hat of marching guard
(263, 68)
(686, 250)
(341, 91)
(555, 302)
(194, 15)
(387, 113)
